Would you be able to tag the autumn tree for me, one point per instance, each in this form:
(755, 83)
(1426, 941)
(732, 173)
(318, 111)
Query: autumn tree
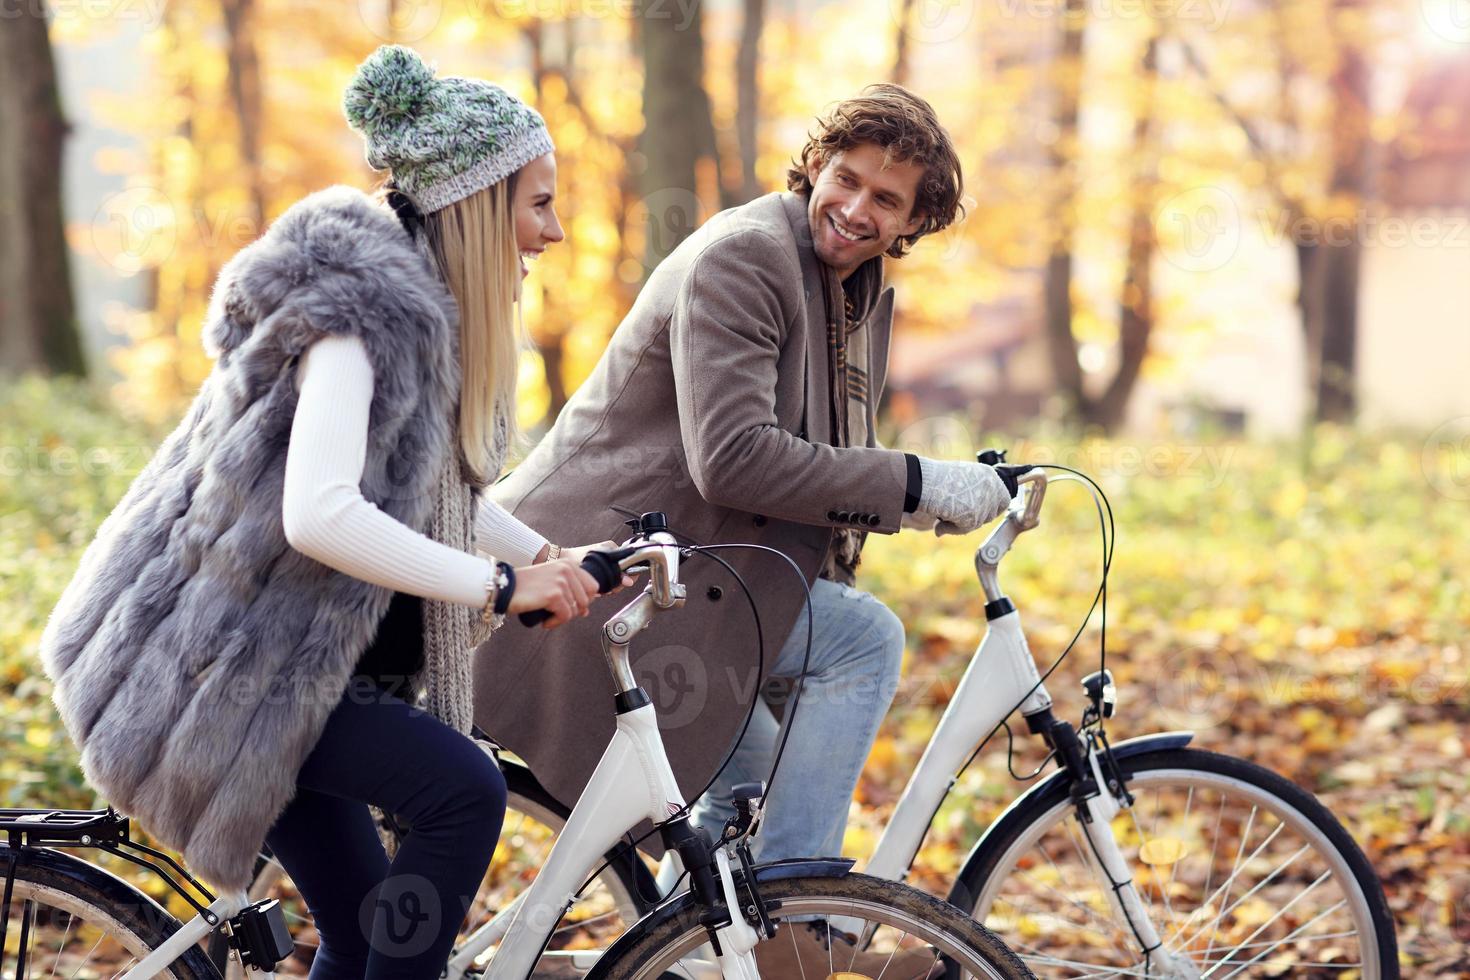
(38, 324)
(1061, 217)
(678, 138)
(748, 96)
(1319, 188)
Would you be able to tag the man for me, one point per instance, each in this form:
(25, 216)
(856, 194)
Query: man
(737, 396)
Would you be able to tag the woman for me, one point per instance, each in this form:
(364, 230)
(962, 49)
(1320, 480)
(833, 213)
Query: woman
(238, 652)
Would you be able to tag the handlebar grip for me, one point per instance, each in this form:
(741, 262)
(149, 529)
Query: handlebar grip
(601, 566)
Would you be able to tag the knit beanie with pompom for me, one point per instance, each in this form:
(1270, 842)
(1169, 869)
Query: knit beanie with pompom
(443, 139)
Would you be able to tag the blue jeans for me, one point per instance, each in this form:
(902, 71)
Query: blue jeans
(378, 919)
(856, 654)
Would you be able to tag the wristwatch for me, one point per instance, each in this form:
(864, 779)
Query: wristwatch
(499, 587)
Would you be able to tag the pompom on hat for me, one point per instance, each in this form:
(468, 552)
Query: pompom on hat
(442, 138)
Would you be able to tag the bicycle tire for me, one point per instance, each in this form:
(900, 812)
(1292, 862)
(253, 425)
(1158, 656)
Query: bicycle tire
(657, 943)
(989, 879)
(100, 901)
(629, 883)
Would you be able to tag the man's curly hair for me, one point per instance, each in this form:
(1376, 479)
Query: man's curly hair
(905, 127)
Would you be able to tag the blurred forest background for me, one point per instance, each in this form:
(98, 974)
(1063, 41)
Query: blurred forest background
(1217, 255)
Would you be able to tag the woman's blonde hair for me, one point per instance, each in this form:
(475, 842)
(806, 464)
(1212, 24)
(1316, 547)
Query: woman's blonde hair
(474, 245)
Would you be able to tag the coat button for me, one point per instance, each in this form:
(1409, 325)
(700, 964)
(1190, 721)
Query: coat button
(844, 516)
(759, 520)
(832, 515)
(714, 593)
(872, 520)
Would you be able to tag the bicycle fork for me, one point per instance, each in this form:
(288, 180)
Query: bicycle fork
(1098, 795)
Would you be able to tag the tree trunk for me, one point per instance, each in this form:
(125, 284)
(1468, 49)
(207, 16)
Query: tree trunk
(1135, 305)
(677, 131)
(900, 73)
(550, 334)
(748, 97)
(1057, 283)
(1335, 357)
(38, 325)
(244, 71)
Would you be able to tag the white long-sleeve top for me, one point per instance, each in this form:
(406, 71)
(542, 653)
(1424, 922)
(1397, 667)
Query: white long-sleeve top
(327, 518)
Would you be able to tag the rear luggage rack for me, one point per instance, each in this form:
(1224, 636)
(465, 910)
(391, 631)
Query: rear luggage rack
(106, 830)
(59, 828)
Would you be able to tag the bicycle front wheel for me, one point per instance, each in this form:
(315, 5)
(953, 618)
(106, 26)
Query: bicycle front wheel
(907, 934)
(1244, 874)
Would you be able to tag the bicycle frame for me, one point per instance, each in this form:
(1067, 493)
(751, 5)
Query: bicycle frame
(633, 782)
(1001, 676)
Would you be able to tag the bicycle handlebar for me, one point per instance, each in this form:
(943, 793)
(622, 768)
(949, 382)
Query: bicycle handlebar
(602, 566)
(607, 568)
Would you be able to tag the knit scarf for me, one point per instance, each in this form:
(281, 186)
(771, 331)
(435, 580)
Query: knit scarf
(452, 631)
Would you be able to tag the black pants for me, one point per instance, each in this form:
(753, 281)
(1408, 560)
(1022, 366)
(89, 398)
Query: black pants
(376, 919)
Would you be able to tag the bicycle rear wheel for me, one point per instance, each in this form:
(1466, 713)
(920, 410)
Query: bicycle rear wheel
(72, 919)
(1245, 875)
(908, 933)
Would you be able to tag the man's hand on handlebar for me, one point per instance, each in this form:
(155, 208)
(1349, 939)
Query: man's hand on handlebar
(959, 497)
(963, 496)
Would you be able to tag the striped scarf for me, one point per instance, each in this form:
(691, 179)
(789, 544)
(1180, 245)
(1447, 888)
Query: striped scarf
(848, 305)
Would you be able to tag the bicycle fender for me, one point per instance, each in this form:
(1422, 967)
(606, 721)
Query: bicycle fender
(773, 871)
(74, 868)
(800, 868)
(1056, 783)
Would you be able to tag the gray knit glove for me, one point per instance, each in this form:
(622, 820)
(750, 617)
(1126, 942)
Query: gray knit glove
(963, 496)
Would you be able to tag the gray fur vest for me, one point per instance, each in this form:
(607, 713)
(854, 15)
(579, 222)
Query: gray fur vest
(196, 655)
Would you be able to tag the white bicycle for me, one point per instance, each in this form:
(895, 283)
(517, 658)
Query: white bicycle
(1140, 858)
(61, 914)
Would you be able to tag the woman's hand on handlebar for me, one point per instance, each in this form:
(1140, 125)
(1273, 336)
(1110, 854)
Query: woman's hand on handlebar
(560, 587)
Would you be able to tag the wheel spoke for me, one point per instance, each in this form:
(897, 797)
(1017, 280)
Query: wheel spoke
(1278, 882)
(59, 949)
(1080, 965)
(1224, 911)
(795, 950)
(1164, 894)
(1093, 870)
(28, 929)
(1259, 929)
(885, 962)
(1244, 840)
(88, 958)
(1229, 883)
(1061, 878)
